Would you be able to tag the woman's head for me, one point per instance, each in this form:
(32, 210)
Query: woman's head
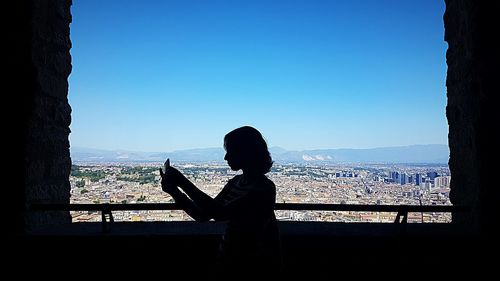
(246, 149)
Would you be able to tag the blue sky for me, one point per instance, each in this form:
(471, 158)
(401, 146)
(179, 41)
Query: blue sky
(169, 75)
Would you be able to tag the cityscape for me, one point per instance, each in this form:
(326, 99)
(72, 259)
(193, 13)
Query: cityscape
(375, 184)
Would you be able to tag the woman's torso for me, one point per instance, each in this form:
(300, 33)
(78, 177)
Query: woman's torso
(252, 232)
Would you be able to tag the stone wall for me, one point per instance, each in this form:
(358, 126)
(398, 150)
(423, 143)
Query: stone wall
(47, 158)
(472, 59)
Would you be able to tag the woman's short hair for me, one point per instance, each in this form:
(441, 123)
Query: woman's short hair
(251, 147)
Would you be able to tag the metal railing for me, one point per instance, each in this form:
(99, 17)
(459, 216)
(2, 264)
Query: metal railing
(107, 209)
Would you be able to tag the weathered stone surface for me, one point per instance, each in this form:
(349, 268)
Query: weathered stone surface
(472, 59)
(47, 159)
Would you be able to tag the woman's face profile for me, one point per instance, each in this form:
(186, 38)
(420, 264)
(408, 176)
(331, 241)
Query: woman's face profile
(233, 160)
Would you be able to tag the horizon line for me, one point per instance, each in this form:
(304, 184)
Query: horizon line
(270, 147)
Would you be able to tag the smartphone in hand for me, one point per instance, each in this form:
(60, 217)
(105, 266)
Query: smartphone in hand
(166, 165)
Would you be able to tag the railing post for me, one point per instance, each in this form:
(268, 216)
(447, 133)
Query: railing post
(404, 214)
(106, 210)
(402, 222)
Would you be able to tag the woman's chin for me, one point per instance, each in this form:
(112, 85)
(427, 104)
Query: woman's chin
(234, 168)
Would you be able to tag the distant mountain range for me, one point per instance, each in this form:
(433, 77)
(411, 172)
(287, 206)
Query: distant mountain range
(431, 153)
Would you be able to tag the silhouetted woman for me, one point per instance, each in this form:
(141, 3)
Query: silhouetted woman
(251, 241)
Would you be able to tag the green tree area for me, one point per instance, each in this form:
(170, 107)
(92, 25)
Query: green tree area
(94, 176)
(139, 170)
(141, 179)
(142, 175)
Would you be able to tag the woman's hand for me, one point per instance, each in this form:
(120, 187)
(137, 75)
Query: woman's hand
(171, 178)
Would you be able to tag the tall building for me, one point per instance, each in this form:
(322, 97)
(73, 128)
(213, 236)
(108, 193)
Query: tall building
(418, 179)
(441, 182)
(427, 184)
(402, 178)
(395, 176)
(432, 175)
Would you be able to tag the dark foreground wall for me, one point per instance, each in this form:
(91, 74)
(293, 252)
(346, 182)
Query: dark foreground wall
(472, 111)
(45, 108)
(317, 250)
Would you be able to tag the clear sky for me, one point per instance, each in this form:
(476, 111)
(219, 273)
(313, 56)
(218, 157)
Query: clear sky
(169, 75)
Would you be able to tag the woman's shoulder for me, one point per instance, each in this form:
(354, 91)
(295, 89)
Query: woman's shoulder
(235, 180)
(267, 181)
(261, 182)
(265, 184)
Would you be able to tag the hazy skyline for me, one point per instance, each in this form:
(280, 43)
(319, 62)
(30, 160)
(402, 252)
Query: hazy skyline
(171, 75)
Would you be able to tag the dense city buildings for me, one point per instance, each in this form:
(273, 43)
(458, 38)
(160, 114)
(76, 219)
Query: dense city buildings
(377, 184)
